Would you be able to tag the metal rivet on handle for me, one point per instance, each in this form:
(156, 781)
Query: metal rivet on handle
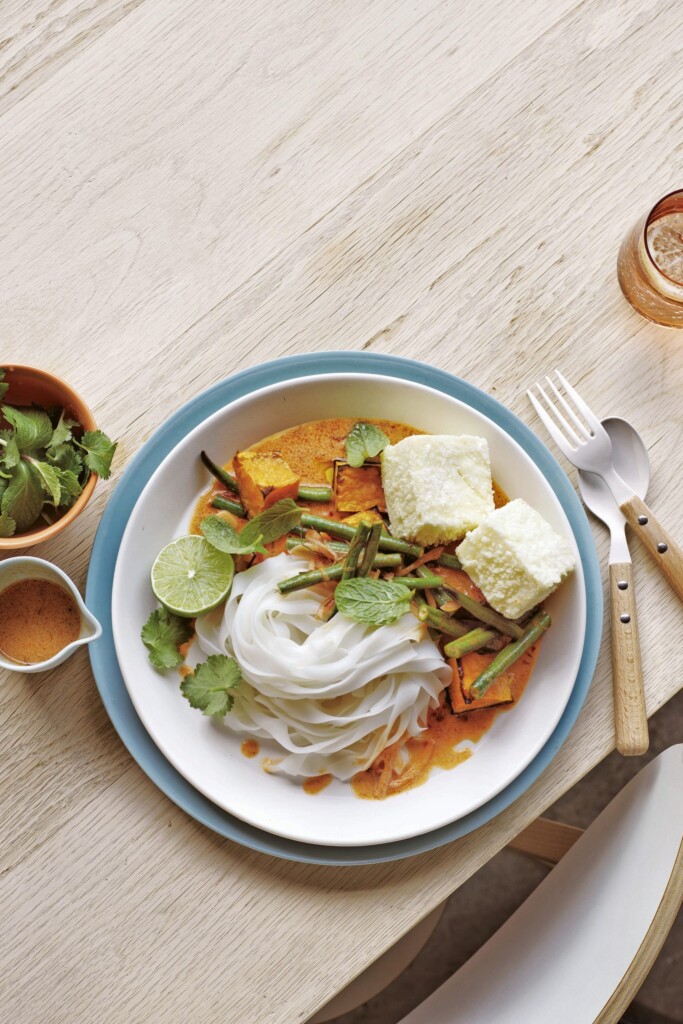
(623, 584)
(642, 520)
(661, 547)
(625, 617)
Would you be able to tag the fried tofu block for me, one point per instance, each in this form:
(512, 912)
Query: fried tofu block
(437, 486)
(263, 479)
(499, 692)
(516, 558)
(358, 488)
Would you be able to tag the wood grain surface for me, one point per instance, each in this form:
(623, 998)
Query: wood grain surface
(190, 189)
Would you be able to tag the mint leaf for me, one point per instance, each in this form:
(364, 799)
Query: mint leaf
(23, 497)
(224, 537)
(69, 485)
(376, 601)
(365, 440)
(32, 427)
(3, 387)
(9, 452)
(162, 634)
(7, 526)
(209, 688)
(99, 451)
(49, 480)
(62, 432)
(66, 457)
(272, 523)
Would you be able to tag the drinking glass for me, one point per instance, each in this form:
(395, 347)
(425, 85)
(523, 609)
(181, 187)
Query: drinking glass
(650, 264)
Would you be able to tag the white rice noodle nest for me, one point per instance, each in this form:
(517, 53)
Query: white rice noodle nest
(331, 694)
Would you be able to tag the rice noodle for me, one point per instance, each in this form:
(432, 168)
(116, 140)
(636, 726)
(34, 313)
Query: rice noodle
(332, 695)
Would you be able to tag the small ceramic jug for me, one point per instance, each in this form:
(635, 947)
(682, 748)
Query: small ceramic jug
(12, 570)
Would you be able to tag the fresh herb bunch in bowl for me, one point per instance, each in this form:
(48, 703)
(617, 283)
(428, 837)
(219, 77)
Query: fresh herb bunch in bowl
(51, 454)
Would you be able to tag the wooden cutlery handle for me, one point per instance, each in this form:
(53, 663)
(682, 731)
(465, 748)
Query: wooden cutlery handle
(630, 717)
(663, 549)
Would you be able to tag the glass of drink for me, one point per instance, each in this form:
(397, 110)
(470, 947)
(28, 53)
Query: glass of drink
(650, 265)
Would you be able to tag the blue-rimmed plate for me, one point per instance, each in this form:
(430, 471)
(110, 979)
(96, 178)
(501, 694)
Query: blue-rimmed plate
(106, 550)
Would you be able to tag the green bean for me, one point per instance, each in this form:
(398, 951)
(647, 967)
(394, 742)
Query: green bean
(315, 492)
(419, 582)
(486, 614)
(332, 572)
(227, 479)
(338, 529)
(371, 549)
(228, 505)
(509, 655)
(439, 620)
(472, 641)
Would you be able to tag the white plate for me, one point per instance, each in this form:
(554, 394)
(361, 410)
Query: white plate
(206, 753)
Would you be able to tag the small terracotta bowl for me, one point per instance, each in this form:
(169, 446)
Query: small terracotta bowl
(29, 386)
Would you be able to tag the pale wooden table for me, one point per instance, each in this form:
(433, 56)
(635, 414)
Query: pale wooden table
(189, 189)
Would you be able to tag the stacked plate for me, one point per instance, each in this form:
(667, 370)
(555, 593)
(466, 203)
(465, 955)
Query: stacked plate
(197, 763)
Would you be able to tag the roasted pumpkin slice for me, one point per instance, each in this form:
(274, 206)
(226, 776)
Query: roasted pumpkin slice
(263, 478)
(369, 515)
(458, 579)
(358, 488)
(472, 665)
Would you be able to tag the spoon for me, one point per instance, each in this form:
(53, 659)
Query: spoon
(631, 461)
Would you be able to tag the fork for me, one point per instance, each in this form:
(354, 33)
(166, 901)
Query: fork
(588, 446)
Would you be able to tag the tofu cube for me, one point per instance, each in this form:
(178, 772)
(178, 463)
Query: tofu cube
(437, 486)
(515, 558)
(263, 478)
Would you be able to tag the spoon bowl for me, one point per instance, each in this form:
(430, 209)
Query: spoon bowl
(631, 462)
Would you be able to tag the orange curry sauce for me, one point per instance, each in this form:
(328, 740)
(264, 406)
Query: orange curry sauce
(38, 618)
(310, 450)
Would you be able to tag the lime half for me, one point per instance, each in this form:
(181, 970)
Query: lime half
(191, 577)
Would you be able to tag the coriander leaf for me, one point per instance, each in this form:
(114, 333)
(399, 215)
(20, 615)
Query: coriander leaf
(99, 451)
(62, 432)
(23, 497)
(7, 526)
(3, 387)
(70, 486)
(9, 452)
(365, 440)
(208, 688)
(49, 480)
(32, 427)
(66, 457)
(162, 634)
(376, 601)
(272, 523)
(222, 536)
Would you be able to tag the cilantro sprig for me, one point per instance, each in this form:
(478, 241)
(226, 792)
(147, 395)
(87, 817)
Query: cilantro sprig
(162, 635)
(44, 460)
(210, 686)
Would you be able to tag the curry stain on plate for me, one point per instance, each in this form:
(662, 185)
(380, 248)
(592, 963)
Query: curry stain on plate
(317, 783)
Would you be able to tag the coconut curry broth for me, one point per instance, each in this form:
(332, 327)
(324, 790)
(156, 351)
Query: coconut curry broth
(310, 449)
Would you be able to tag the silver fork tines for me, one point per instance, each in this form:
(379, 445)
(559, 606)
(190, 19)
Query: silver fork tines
(575, 428)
